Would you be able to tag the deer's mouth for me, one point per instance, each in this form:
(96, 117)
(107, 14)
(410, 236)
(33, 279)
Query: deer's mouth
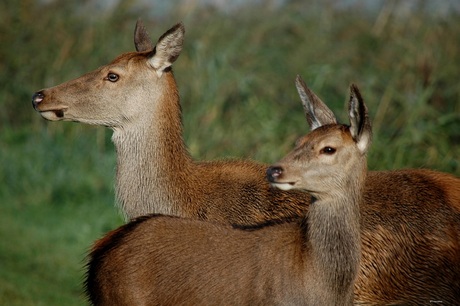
(53, 114)
(283, 186)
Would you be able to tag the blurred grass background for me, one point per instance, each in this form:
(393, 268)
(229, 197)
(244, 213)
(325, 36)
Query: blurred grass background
(236, 78)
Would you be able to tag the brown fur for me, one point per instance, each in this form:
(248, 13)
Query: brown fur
(410, 218)
(414, 237)
(313, 260)
(173, 271)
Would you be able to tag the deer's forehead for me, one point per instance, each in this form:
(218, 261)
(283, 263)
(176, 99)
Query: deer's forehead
(129, 56)
(326, 135)
(127, 60)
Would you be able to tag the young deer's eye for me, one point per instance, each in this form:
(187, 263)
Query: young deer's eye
(327, 150)
(112, 77)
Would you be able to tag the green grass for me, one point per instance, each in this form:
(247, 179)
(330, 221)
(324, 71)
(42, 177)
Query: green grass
(236, 78)
(57, 197)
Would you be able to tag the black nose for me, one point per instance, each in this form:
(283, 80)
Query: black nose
(37, 98)
(273, 173)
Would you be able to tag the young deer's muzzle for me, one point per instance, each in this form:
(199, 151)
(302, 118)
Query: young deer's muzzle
(273, 173)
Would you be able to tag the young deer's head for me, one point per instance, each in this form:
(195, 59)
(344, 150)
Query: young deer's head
(322, 160)
(120, 91)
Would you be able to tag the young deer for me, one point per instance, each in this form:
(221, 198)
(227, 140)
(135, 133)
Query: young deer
(314, 260)
(409, 216)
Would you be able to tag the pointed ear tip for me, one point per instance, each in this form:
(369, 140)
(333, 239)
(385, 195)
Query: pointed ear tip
(139, 22)
(354, 92)
(180, 26)
(300, 83)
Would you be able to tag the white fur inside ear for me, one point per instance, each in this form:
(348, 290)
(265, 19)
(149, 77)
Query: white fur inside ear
(311, 111)
(159, 64)
(363, 142)
(353, 116)
(314, 125)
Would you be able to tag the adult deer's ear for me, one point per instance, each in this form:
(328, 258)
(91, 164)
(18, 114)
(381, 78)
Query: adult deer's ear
(360, 125)
(142, 40)
(316, 112)
(167, 49)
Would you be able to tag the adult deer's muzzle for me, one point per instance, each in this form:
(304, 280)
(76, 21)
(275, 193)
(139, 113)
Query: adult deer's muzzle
(56, 113)
(37, 98)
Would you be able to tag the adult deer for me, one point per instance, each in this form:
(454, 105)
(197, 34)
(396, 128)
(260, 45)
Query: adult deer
(314, 260)
(136, 95)
(409, 216)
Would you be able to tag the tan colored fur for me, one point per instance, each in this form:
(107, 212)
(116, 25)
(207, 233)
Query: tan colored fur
(416, 212)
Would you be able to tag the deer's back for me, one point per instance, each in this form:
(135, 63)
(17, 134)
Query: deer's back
(411, 237)
(238, 193)
(174, 261)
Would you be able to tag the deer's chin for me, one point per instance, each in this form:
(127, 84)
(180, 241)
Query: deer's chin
(283, 186)
(53, 115)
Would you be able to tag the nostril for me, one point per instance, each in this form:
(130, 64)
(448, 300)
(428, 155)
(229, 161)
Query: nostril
(37, 98)
(274, 172)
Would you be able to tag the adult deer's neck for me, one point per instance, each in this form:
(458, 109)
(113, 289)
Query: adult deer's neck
(152, 160)
(334, 237)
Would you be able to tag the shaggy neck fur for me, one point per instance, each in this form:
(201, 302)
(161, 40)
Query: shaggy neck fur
(152, 157)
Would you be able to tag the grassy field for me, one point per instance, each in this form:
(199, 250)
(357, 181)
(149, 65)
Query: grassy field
(236, 78)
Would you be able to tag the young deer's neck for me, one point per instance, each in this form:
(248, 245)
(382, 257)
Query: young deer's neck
(334, 237)
(152, 160)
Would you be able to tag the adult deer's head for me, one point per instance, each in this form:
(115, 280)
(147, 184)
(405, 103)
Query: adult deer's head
(118, 92)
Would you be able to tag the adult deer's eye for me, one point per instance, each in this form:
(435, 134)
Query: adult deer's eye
(327, 150)
(112, 77)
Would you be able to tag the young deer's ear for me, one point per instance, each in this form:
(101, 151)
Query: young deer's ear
(360, 125)
(142, 40)
(168, 48)
(316, 112)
